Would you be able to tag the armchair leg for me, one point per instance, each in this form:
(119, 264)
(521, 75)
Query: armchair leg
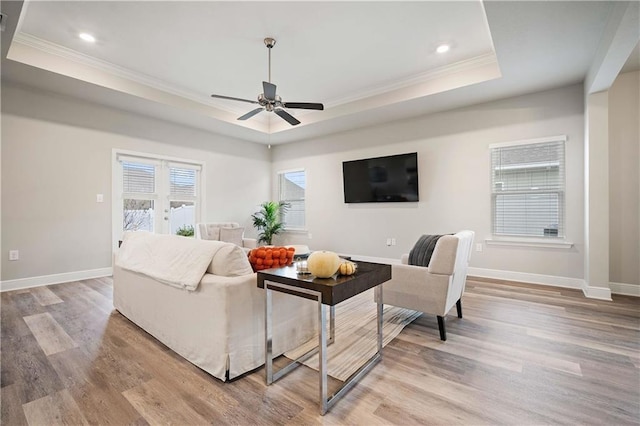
(443, 332)
(459, 307)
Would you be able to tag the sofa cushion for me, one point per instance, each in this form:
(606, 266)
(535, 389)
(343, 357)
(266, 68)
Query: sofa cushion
(230, 261)
(232, 235)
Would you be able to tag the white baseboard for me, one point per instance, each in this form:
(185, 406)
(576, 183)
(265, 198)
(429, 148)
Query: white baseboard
(625, 289)
(601, 293)
(590, 292)
(8, 285)
(552, 280)
(525, 277)
(388, 261)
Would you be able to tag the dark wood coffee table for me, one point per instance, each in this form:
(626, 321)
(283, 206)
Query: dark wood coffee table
(329, 292)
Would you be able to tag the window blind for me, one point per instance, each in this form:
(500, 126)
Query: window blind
(292, 190)
(138, 178)
(528, 186)
(182, 182)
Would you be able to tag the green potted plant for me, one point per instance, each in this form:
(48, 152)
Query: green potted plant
(267, 220)
(185, 231)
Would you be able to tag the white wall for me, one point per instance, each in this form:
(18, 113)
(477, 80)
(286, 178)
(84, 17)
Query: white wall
(57, 155)
(453, 157)
(624, 179)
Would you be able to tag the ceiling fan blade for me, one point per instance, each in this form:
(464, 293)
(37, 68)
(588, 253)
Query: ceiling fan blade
(303, 105)
(234, 99)
(288, 117)
(269, 90)
(251, 113)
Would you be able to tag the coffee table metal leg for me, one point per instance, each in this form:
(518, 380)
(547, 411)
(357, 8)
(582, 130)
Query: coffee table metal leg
(322, 357)
(379, 308)
(268, 328)
(332, 324)
(325, 402)
(271, 375)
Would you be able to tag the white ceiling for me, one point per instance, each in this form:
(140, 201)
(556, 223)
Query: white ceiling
(368, 62)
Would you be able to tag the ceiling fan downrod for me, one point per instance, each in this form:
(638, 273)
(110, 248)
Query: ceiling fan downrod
(269, 42)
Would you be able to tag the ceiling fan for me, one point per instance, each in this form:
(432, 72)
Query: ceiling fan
(269, 101)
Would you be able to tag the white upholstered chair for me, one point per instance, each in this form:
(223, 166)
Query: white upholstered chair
(230, 232)
(436, 288)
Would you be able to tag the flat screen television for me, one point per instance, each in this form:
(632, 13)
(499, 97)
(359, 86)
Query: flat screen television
(382, 179)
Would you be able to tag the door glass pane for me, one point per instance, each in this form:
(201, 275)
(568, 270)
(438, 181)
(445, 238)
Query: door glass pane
(182, 181)
(182, 218)
(138, 177)
(138, 215)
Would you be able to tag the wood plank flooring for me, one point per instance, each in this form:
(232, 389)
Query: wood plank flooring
(522, 354)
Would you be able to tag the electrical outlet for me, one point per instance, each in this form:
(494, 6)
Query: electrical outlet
(14, 255)
(479, 247)
(393, 241)
(99, 198)
(388, 241)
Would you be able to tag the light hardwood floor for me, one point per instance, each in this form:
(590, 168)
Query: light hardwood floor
(522, 354)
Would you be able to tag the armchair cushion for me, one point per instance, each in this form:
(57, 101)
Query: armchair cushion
(232, 235)
(209, 231)
(421, 253)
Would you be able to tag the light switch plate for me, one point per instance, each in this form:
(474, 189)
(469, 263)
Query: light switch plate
(99, 198)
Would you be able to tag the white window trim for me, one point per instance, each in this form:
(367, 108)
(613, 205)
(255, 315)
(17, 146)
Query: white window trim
(549, 242)
(559, 138)
(304, 228)
(118, 155)
(524, 241)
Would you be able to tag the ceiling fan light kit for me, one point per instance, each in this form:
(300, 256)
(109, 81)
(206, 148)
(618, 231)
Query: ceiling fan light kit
(269, 101)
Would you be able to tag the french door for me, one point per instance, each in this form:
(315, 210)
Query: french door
(155, 194)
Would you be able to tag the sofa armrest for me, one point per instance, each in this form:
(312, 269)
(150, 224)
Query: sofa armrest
(249, 243)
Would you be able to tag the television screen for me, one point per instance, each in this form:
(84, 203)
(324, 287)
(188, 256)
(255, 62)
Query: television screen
(382, 179)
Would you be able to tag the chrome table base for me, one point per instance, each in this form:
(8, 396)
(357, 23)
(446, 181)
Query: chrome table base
(326, 402)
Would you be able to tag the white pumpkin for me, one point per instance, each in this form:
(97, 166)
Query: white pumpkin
(323, 264)
(348, 268)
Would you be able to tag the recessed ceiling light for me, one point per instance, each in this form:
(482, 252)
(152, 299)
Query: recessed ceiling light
(87, 37)
(443, 48)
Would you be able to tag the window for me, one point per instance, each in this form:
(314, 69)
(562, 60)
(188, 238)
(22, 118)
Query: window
(138, 195)
(182, 197)
(292, 185)
(527, 181)
(155, 194)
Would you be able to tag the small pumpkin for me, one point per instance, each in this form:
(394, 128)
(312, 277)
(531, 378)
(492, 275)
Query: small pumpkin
(348, 268)
(323, 264)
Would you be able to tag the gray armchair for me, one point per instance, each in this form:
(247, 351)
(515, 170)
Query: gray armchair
(436, 288)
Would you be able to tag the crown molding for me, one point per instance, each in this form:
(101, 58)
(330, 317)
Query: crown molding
(417, 79)
(116, 70)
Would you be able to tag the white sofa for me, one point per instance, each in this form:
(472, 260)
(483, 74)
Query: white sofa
(219, 325)
(230, 232)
